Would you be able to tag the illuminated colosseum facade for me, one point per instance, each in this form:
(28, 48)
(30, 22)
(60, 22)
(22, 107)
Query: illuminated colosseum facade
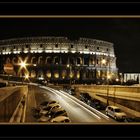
(59, 59)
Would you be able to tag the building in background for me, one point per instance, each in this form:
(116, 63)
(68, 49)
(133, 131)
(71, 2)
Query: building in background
(131, 77)
(60, 60)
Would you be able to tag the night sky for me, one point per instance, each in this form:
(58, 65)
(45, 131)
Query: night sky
(124, 33)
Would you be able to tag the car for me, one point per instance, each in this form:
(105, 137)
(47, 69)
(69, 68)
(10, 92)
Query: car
(96, 104)
(115, 112)
(47, 103)
(85, 97)
(57, 112)
(47, 109)
(44, 119)
(60, 119)
(132, 119)
(52, 102)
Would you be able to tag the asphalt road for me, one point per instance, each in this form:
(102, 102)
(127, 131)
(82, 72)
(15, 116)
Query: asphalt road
(77, 111)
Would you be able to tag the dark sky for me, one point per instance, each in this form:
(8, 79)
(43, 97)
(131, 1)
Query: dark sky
(123, 32)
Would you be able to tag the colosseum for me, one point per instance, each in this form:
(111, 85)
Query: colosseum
(59, 59)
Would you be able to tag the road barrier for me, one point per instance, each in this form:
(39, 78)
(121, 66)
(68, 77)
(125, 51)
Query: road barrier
(10, 97)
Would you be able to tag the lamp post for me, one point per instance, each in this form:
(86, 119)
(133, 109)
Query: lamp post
(108, 78)
(23, 65)
(103, 62)
(69, 66)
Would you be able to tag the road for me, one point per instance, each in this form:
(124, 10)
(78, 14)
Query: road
(78, 111)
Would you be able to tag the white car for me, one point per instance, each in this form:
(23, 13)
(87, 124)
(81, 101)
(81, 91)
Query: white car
(60, 119)
(47, 109)
(44, 119)
(115, 112)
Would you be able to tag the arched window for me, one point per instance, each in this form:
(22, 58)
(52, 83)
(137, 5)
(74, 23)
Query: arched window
(33, 74)
(71, 61)
(33, 60)
(56, 60)
(48, 60)
(14, 60)
(8, 60)
(40, 74)
(79, 61)
(40, 60)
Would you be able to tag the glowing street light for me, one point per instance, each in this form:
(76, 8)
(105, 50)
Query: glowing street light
(69, 66)
(117, 79)
(23, 64)
(108, 77)
(26, 76)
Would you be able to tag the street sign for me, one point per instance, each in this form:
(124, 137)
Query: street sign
(9, 68)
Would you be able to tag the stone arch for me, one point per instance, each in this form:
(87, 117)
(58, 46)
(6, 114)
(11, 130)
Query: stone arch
(48, 74)
(91, 61)
(56, 74)
(40, 60)
(56, 60)
(40, 74)
(8, 60)
(33, 74)
(71, 74)
(72, 60)
(64, 74)
(33, 60)
(48, 60)
(14, 60)
(64, 60)
(79, 60)
(78, 74)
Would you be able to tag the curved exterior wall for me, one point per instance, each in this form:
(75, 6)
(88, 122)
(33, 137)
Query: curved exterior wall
(59, 59)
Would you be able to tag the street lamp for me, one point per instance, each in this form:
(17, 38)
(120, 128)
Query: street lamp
(27, 77)
(70, 75)
(103, 62)
(23, 65)
(108, 78)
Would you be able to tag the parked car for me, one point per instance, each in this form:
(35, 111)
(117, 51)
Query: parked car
(132, 119)
(44, 119)
(72, 91)
(47, 103)
(57, 112)
(96, 104)
(47, 109)
(60, 119)
(85, 97)
(115, 112)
